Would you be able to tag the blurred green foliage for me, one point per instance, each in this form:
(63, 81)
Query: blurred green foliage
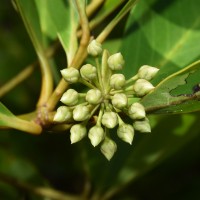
(162, 165)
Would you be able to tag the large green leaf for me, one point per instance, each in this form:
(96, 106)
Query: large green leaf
(15, 170)
(147, 152)
(30, 17)
(178, 93)
(59, 19)
(29, 14)
(163, 34)
(166, 140)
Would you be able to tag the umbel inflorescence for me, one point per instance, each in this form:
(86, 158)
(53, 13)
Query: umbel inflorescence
(109, 98)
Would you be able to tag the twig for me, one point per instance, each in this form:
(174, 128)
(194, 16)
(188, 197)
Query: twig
(25, 73)
(18, 79)
(40, 191)
(78, 59)
(82, 50)
(104, 34)
(93, 6)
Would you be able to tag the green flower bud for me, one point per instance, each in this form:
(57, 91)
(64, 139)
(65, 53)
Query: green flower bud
(126, 133)
(116, 61)
(142, 87)
(142, 126)
(94, 48)
(109, 119)
(136, 111)
(96, 135)
(88, 72)
(78, 132)
(81, 113)
(119, 100)
(108, 148)
(71, 74)
(93, 96)
(70, 97)
(63, 114)
(147, 72)
(117, 81)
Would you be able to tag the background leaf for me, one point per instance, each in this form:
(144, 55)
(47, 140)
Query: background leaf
(162, 34)
(60, 19)
(157, 34)
(178, 93)
(30, 16)
(161, 165)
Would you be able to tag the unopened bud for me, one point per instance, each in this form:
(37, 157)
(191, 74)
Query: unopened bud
(117, 81)
(94, 48)
(116, 61)
(142, 126)
(126, 133)
(96, 135)
(78, 132)
(142, 87)
(63, 114)
(109, 119)
(136, 111)
(70, 97)
(93, 96)
(108, 148)
(147, 72)
(71, 74)
(81, 113)
(88, 72)
(119, 100)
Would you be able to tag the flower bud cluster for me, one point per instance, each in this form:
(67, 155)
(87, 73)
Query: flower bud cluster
(109, 97)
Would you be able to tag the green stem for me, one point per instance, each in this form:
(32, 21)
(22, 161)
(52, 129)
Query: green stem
(23, 125)
(115, 21)
(94, 110)
(98, 66)
(116, 91)
(132, 79)
(81, 95)
(78, 59)
(47, 79)
(106, 72)
(120, 121)
(17, 79)
(100, 115)
(55, 97)
(93, 6)
(96, 83)
(87, 83)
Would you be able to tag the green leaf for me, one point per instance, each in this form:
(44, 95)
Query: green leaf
(60, 19)
(162, 34)
(131, 162)
(168, 136)
(178, 93)
(46, 24)
(16, 166)
(29, 14)
(7, 119)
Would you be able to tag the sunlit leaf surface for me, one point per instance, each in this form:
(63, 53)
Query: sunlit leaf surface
(178, 93)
